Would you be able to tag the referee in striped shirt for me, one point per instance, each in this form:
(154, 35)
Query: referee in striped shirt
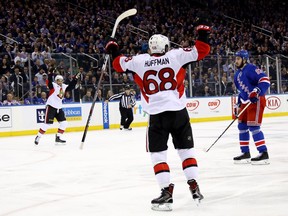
(127, 102)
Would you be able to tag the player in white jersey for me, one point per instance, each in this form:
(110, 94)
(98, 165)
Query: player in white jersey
(54, 107)
(160, 76)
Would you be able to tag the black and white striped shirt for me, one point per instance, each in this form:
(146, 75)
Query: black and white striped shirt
(125, 100)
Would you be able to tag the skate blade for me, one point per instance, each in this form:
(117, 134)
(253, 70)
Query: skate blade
(198, 199)
(197, 202)
(59, 143)
(262, 162)
(244, 161)
(162, 207)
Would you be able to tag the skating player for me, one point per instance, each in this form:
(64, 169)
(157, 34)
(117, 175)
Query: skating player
(160, 76)
(252, 84)
(54, 106)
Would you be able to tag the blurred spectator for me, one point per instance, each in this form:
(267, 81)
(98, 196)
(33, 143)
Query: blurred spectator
(3, 92)
(36, 67)
(187, 88)
(10, 101)
(5, 80)
(273, 89)
(284, 89)
(109, 94)
(40, 75)
(207, 91)
(99, 95)
(31, 99)
(42, 99)
(44, 87)
(67, 97)
(4, 66)
(42, 31)
(37, 55)
(22, 59)
(223, 85)
(231, 89)
(35, 84)
(125, 80)
(45, 65)
(82, 76)
(87, 97)
(93, 86)
(86, 82)
(9, 54)
(17, 80)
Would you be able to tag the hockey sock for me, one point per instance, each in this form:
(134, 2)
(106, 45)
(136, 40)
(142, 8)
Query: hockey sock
(43, 129)
(61, 128)
(161, 168)
(189, 163)
(258, 138)
(244, 137)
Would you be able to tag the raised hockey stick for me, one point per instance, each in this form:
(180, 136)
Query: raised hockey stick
(122, 16)
(236, 117)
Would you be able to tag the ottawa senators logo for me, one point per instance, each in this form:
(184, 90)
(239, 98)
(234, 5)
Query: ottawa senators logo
(61, 93)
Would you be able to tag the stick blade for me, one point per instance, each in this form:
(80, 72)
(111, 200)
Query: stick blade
(81, 146)
(122, 16)
(127, 13)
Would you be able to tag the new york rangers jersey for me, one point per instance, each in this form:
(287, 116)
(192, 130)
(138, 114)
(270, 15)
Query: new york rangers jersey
(249, 77)
(56, 95)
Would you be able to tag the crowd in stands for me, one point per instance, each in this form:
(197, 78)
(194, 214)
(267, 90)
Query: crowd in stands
(38, 30)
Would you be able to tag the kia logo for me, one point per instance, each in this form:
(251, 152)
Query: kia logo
(214, 104)
(191, 106)
(273, 103)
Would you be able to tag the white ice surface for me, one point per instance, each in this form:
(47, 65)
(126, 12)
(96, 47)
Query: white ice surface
(113, 175)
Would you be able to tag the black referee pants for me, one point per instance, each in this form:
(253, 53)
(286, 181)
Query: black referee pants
(126, 116)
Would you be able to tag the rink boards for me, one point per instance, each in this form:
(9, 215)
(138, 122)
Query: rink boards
(26, 120)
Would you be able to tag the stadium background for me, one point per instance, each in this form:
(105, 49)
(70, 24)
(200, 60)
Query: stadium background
(67, 37)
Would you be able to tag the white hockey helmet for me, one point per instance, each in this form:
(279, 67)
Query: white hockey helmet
(158, 43)
(59, 77)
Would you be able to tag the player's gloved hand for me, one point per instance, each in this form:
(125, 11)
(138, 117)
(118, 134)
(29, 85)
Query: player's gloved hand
(203, 28)
(236, 108)
(254, 95)
(203, 33)
(111, 47)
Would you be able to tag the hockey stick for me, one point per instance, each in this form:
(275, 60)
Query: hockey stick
(236, 117)
(122, 16)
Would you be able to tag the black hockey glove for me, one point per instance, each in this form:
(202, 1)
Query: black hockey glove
(203, 33)
(112, 48)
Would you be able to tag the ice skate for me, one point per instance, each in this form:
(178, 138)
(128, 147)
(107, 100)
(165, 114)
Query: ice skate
(195, 191)
(59, 141)
(261, 159)
(121, 127)
(128, 129)
(244, 158)
(36, 141)
(164, 201)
